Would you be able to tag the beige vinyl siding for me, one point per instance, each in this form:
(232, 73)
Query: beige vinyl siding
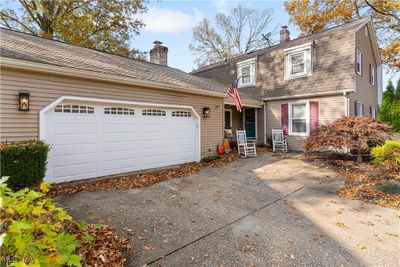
(365, 92)
(329, 109)
(17, 125)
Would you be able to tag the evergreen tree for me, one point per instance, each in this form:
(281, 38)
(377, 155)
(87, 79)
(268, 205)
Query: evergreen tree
(389, 111)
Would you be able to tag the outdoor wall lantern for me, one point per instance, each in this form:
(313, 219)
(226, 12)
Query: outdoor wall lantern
(206, 112)
(23, 101)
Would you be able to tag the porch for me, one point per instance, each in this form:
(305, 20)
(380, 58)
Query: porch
(251, 119)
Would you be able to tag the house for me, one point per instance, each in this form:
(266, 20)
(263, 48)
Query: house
(303, 83)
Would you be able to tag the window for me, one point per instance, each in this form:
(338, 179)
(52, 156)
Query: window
(373, 112)
(299, 118)
(358, 62)
(154, 112)
(359, 109)
(298, 61)
(246, 70)
(228, 119)
(74, 109)
(181, 113)
(119, 111)
(372, 74)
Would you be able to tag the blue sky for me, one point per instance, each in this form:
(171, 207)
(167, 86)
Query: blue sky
(172, 21)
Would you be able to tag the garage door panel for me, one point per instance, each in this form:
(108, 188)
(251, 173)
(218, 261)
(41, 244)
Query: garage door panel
(73, 149)
(126, 127)
(72, 171)
(121, 164)
(98, 144)
(74, 128)
(120, 145)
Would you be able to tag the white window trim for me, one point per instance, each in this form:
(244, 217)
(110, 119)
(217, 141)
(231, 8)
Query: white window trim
(253, 71)
(308, 62)
(372, 74)
(256, 122)
(307, 133)
(359, 57)
(360, 109)
(230, 117)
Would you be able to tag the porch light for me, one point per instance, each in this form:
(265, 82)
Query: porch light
(23, 101)
(206, 112)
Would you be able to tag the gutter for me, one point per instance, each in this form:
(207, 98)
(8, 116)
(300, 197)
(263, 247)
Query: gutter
(17, 64)
(336, 92)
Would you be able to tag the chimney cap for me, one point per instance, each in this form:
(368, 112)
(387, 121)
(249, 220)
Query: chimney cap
(157, 42)
(284, 27)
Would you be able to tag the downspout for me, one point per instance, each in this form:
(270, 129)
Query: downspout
(265, 124)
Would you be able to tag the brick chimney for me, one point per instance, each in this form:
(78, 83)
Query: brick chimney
(159, 54)
(285, 34)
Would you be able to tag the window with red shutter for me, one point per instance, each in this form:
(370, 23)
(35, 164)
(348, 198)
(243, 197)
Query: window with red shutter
(314, 123)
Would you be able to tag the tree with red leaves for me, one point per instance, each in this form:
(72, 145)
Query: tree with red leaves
(354, 133)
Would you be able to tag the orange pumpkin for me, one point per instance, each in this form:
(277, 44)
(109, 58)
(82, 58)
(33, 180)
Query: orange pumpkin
(226, 144)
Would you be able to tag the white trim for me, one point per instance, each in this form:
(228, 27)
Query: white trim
(252, 64)
(306, 49)
(307, 133)
(42, 123)
(256, 124)
(230, 117)
(265, 124)
(310, 94)
(346, 105)
(373, 76)
(359, 58)
(298, 48)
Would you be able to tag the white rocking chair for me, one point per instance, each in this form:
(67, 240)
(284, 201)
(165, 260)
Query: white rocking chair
(278, 140)
(245, 148)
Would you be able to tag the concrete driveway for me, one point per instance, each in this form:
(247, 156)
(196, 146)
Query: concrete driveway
(263, 211)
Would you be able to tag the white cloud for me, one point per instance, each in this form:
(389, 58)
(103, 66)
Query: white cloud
(160, 20)
(221, 5)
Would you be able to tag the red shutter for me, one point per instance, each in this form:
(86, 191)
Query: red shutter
(285, 118)
(355, 108)
(313, 116)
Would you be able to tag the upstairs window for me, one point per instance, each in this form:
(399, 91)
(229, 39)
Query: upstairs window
(246, 70)
(358, 62)
(372, 74)
(298, 62)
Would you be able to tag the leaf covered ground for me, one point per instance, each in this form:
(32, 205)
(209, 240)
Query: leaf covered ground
(361, 179)
(139, 180)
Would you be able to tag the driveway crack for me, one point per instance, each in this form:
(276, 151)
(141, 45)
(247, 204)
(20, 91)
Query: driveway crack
(229, 224)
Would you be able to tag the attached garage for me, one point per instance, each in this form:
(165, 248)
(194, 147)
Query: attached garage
(97, 137)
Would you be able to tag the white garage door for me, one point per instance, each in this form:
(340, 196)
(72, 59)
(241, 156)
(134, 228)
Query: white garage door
(92, 140)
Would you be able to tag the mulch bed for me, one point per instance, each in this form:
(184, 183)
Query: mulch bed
(139, 180)
(360, 179)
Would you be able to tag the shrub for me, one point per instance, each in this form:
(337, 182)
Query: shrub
(36, 230)
(388, 187)
(209, 158)
(24, 163)
(388, 152)
(354, 133)
(389, 111)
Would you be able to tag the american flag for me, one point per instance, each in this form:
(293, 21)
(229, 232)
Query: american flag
(234, 93)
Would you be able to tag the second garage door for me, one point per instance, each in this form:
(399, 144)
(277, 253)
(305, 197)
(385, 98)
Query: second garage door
(92, 140)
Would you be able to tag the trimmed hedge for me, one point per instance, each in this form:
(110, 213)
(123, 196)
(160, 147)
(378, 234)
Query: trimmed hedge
(23, 162)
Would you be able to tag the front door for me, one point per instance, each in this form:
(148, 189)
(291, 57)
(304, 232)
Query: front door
(250, 122)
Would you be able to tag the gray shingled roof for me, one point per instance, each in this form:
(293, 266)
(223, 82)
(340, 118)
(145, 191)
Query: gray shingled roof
(294, 42)
(31, 48)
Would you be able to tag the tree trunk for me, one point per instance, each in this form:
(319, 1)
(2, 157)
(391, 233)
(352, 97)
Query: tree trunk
(359, 156)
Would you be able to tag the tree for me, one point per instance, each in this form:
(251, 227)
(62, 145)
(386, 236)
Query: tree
(389, 111)
(354, 133)
(313, 16)
(98, 24)
(234, 34)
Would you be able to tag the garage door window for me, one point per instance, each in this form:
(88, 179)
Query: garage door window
(181, 113)
(154, 112)
(119, 111)
(74, 109)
